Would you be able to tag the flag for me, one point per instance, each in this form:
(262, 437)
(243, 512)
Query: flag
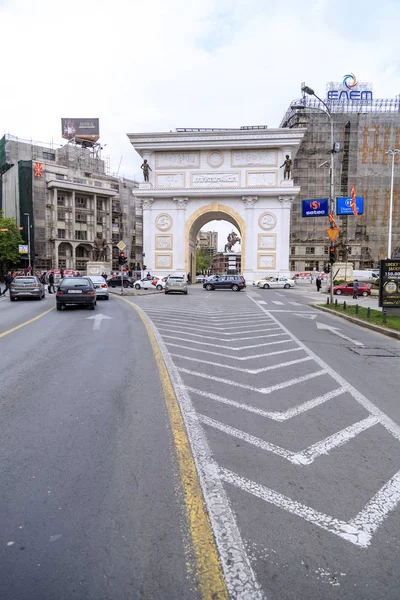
(332, 219)
(38, 169)
(353, 201)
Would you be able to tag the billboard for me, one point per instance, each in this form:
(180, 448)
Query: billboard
(389, 283)
(319, 207)
(83, 129)
(343, 206)
(23, 248)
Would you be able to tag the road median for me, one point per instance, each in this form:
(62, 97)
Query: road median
(391, 328)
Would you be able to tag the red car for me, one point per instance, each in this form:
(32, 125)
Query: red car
(347, 288)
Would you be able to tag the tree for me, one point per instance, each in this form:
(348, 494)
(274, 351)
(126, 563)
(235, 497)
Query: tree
(203, 260)
(10, 238)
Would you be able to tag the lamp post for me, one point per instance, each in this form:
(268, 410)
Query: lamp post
(29, 241)
(307, 90)
(392, 153)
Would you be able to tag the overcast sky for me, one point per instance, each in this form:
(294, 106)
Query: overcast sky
(154, 66)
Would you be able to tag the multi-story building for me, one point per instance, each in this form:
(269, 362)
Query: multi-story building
(225, 262)
(70, 200)
(366, 130)
(208, 240)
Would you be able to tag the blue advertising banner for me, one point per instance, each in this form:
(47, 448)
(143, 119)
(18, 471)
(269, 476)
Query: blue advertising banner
(343, 206)
(318, 207)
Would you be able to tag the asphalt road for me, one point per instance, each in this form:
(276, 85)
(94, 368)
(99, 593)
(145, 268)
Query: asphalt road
(293, 426)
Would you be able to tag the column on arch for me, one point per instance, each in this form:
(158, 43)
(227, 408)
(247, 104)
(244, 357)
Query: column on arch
(179, 237)
(148, 233)
(250, 245)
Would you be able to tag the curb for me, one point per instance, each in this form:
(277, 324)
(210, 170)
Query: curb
(135, 293)
(385, 331)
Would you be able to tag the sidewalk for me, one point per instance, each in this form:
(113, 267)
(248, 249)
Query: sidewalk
(320, 297)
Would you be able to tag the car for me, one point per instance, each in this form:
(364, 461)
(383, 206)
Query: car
(225, 282)
(176, 283)
(277, 283)
(116, 281)
(157, 283)
(26, 287)
(100, 286)
(76, 290)
(347, 289)
(200, 278)
(266, 278)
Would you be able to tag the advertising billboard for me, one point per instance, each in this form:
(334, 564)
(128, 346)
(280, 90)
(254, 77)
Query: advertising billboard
(343, 206)
(319, 207)
(83, 129)
(23, 248)
(389, 283)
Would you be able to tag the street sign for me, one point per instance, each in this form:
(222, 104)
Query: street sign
(319, 207)
(121, 245)
(332, 232)
(343, 206)
(389, 283)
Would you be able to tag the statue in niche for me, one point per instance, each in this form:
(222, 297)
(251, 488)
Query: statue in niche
(288, 167)
(146, 168)
(100, 249)
(233, 239)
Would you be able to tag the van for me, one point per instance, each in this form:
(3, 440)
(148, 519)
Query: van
(368, 276)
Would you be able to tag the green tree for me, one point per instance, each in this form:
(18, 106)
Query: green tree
(10, 237)
(203, 260)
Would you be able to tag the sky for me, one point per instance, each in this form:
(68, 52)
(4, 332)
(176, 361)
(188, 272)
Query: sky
(155, 66)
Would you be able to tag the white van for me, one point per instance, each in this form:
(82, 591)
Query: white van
(367, 276)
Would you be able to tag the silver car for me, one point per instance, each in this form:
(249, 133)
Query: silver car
(176, 283)
(26, 287)
(100, 286)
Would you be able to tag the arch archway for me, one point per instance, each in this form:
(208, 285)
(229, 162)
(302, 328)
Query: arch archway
(211, 212)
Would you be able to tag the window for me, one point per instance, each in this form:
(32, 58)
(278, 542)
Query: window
(81, 235)
(81, 202)
(61, 177)
(80, 218)
(99, 205)
(98, 184)
(293, 250)
(49, 156)
(60, 200)
(114, 186)
(326, 250)
(78, 180)
(61, 233)
(99, 234)
(310, 250)
(99, 221)
(61, 215)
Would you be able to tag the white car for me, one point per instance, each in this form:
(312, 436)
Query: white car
(277, 282)
(100, 286)
(257, 281)
(157, 283)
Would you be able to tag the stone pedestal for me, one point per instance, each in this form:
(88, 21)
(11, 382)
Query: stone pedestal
(145, 185)
(98, 267)
(286, 183)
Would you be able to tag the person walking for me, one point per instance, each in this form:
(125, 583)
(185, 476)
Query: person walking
(8, 279)
(51, 283)
(61, 273)
(355, 289)
(318, 283)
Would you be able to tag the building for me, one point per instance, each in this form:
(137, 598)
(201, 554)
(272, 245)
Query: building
(71, 199)
(208, 240)
(366, 129)
(224, 262)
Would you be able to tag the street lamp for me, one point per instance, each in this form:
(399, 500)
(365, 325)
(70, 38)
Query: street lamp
(392, 154)
(29, 241)
(301, 106)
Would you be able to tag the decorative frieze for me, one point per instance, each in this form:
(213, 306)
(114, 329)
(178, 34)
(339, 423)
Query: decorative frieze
(204, 179)
(267, 221)
(181, 202)
(261, 179)
(170, 180)
(173, 160)
(254, 158)
(249, 201)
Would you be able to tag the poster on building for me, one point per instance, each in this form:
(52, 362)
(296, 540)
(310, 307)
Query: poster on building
(389, 283)
(82, 129)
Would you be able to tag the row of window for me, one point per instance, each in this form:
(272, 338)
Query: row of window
(78, 235)
(311, 250)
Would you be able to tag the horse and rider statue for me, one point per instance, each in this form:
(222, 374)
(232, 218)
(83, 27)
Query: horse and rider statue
(233, 239)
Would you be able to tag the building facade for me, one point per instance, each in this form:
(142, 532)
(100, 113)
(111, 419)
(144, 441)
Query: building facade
(366, 130)
(208, 240)
(226, 263)
(70, 200)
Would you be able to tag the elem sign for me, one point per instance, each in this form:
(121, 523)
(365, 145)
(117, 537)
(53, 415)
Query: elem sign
(318, 207)
(343, 206)
(389, 283)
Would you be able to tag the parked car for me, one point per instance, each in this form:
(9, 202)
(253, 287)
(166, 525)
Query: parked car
(277, 283)
(100, 286)
(347, 289)
(26, 287)
(116, 282)
(157, 283)
(176, 283)
(76, 290)
(225, 282)
(200, 278)
(266, 278)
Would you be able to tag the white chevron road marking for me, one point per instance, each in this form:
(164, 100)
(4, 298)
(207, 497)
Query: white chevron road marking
(234, 356)
(232, 339)
(242, 370)
(173, 337)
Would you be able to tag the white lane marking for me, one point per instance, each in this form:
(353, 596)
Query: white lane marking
(305, 457)
(240, 369)
(221, 339)
(187, 320)
(230, 330)
(277, 302)
(173, 337)
(353, 531)
(261, 302)
(211, 314)
(267, 390)
(239, 575)
(97, 320)
(274, 415)
(234, 356)
(336, 331)
(386, 421)
(311, 317)
(279, 294)
(296, 303)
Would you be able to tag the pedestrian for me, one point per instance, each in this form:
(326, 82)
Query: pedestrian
(189, 278)
(8, 279)
(61, 273)
(51, 283)
(318, 283)
(43, 278)
(355, 289)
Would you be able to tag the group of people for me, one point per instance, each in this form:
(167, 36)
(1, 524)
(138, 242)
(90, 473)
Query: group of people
(318, 283)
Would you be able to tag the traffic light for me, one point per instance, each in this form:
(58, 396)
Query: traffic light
(327, 269)
(332, 254)
(122, 258)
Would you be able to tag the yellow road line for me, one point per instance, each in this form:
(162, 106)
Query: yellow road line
(208, 568)
(27, 322)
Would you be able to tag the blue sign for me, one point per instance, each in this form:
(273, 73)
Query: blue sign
(319, 207)
(343, 206)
